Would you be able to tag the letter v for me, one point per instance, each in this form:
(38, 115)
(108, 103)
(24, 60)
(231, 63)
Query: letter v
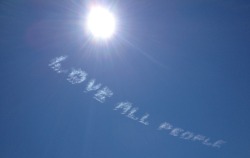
(92, 86)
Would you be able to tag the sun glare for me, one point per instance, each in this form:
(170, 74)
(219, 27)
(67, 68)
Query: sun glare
(101, 22)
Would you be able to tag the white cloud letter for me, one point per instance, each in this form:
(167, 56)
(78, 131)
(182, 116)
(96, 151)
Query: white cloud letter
(219, 143)
(77, 76)
(166, 126)
(199, 138)
(56, 65)
(142, 120)
(131, 114)
(176, 131)
(187, 135)
(125, 106)
(102, 94)
(92, 87)
(206, 142)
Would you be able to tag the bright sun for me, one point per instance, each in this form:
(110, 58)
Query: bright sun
(101, 22)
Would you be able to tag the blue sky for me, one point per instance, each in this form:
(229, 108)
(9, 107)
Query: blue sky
(182, 63)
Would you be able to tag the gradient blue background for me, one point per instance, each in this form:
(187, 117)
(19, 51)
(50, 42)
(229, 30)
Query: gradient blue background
(184, 62)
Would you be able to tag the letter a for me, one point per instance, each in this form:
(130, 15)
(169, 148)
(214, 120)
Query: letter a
(125, 106)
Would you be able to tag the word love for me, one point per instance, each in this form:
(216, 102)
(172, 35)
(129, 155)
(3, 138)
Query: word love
(102, 93)
(77, 76)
